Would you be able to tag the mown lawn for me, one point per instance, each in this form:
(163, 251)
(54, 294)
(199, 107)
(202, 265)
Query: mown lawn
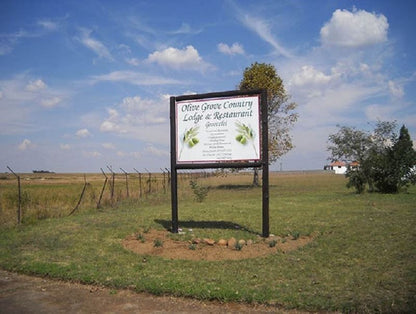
(363, 258)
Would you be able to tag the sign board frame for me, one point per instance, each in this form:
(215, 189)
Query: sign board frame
(233, 127)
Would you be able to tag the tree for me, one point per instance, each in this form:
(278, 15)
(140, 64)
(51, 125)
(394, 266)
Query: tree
(281, 115)
(349, 145)
(385, 159)
(405, 157)
(396, 169)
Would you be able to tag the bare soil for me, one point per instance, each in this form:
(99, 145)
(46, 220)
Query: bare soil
(26, 294)
(173, 249)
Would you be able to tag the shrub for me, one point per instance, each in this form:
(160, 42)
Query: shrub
(200, 192)
(158, 243)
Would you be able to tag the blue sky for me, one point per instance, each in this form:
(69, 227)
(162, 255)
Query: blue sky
(87, 84)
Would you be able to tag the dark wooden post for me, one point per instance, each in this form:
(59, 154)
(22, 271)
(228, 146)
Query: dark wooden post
(127, 182)
(174, 171)
(265, 161)
(112, 184)
(80, 198)
(167, 170)
(149, 182)
(164, 180)
(140, 182)
(102, 190)
(19, 204)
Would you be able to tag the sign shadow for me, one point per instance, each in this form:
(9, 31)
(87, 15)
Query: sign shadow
(206, 224)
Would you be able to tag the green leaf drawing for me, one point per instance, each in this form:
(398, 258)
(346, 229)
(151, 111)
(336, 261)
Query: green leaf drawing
(189, 138)
(245, 135)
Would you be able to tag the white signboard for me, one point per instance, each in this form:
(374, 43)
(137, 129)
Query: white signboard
(218, 129)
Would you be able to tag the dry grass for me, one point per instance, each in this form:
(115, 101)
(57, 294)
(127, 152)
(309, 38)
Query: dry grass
(361, 261)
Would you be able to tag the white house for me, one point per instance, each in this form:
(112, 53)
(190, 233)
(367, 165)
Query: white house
(340, 167)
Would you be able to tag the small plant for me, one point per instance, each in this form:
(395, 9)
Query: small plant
(141, 238)
(200, 192)
(158, 243)
(238, 246)
(192, 246)
(272, 243)
(295, 235)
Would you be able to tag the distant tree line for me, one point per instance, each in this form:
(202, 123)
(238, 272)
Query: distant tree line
(42, 171)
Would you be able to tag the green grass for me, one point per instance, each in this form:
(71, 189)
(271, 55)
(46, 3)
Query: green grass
(363, 259)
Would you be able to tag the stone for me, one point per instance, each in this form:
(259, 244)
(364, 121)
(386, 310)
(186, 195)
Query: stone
(222, 242)
(231, 243)
(196, 241)
(242, 242)
(209, 241)
(249, 242)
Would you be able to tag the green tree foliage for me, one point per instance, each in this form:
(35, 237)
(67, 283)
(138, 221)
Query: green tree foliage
(281, 115)
(386, 161)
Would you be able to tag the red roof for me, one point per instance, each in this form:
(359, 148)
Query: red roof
(338, 164)
(344, 164)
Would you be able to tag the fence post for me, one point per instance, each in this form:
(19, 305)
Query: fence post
(164, 180)
(80, 198)
(102, 190)
(112, 184)
(19, 206)
(168, 175)
(140, 182)
(127, 182)
(149, 181)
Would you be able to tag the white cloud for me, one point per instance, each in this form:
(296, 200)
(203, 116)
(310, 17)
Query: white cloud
(234, 49)
(133, 61)
(354, 29)
(108, 145)
(186, 29)
(135, 155)
(93, 154)
(187, 58)
(65, 146)
(8, 41)
(95, 45)
(309, 76)
(395, 89)
(134, 78)
(83, 133)
(263, 29)
(376, 112)
(48, 25)
(25, 145)
(156, 151)
(22, 98)
(37, 85)
(50, 102)
(108, 126)
(144, 119)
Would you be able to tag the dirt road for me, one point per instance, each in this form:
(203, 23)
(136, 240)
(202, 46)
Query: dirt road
(26, 294)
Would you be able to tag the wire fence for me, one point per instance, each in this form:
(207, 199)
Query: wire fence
(33, 196)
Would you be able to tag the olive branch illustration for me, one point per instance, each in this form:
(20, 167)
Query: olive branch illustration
(245, 135)
(190, 138)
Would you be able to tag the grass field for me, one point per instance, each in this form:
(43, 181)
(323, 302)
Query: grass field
(363, 259)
